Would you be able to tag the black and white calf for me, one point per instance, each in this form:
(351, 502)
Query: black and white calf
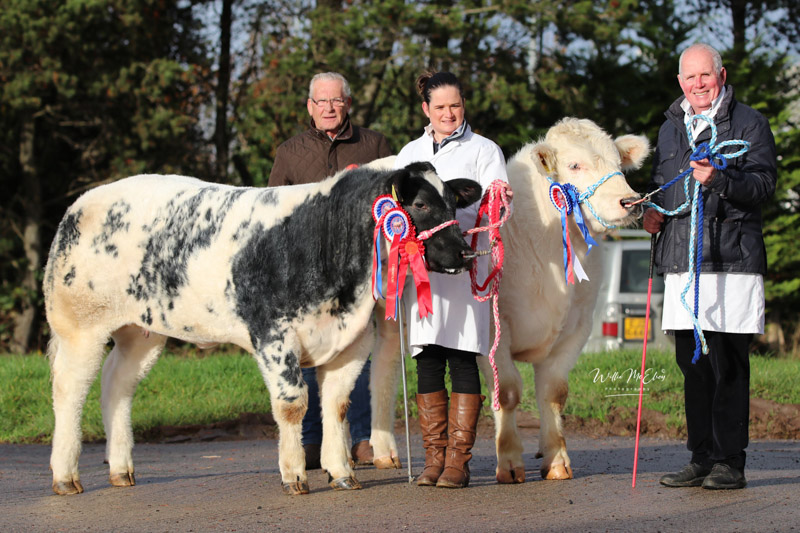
(283, 273)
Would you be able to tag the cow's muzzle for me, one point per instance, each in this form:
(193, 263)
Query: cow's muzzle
(633, 204)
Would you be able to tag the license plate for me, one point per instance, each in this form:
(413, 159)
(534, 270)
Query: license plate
(633, 328)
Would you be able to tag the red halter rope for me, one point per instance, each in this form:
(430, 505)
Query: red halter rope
(496, 197)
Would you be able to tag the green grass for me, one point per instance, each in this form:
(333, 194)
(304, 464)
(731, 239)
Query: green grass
(179, 390)
(189, 389)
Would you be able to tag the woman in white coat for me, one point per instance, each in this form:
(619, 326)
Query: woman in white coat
(458, 329)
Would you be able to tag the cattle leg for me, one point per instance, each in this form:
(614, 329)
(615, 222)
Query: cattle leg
(289, 399)
(551, 395)
(384, 373)
(75, 361)
(508, 444)
(130, 360)
(336, 381)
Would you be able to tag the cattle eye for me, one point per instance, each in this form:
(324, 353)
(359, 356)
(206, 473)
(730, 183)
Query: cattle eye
(420, 205)
(574, 166)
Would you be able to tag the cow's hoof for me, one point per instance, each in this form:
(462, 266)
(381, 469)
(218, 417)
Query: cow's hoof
(125, 479)
(296, 488)
(387, 463)
(344, 483)
(557, 472)
(64, 488)
(517, 475)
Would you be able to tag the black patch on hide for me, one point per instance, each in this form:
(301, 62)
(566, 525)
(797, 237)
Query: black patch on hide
(113, 224)
(180, 230)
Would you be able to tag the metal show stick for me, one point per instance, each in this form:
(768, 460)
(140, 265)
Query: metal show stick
(401, 312)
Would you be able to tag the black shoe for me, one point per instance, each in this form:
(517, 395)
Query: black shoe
(723, 476)
(691, 475)
(312, 456)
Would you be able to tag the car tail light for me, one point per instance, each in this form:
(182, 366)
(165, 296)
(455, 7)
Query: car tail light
(610, 329)
(610, 324)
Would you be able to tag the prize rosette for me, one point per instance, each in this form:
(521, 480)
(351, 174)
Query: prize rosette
(381, 205)
(412, 253)
(396, 224)
(565, 199)
(405, 250)
(561, 197)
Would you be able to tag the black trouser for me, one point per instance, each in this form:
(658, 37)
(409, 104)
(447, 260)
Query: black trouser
(717, 396)
(431, 364)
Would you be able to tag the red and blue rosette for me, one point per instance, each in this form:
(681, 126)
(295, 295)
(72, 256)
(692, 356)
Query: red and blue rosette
(565, 199)
(380, 206)
(396, 226)
(405, 251)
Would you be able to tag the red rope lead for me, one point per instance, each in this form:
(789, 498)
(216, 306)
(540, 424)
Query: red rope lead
(495, 205)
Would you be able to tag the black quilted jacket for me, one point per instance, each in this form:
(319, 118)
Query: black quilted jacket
(732, 238)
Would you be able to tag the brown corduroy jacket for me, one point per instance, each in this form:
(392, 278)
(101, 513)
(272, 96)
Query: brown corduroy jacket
(312, 156)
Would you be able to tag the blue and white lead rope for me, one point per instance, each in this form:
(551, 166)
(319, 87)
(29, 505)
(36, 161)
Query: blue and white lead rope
(719, 161)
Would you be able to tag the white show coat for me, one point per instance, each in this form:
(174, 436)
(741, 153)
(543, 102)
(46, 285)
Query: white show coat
(458, 320)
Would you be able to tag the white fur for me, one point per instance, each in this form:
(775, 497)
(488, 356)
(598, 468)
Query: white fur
(545, 321)
(94, 305)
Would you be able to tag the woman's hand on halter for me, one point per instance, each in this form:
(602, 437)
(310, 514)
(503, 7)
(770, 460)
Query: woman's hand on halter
(509, 192)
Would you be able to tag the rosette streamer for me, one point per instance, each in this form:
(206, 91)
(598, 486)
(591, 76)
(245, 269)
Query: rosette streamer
(405, 251)
(566, 200)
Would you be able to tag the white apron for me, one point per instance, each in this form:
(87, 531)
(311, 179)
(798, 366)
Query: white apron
(458, 320)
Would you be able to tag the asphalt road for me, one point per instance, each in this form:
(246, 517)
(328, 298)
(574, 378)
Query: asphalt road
(235, 486)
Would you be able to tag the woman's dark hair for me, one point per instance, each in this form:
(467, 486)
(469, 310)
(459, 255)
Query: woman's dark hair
(430, 81)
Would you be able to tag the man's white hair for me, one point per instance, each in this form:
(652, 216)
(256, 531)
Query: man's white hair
(329, 76)
(715, 57)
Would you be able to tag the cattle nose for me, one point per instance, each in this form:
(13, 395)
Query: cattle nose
(469, 255)
(630, 201)
(632, 204)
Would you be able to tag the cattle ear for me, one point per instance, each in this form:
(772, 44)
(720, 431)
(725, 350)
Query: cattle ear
(399, 177)
(544, 157)
(467, 191)
(633, 150)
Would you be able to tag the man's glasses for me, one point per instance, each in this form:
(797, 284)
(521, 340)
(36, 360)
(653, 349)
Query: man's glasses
(335, 102)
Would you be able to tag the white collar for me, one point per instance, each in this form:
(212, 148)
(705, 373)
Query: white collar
(710, 113)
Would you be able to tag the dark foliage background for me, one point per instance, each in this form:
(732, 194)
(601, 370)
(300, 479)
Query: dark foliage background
(96, 90)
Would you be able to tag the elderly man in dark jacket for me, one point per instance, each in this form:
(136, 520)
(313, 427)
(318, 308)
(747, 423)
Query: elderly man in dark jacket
(731, 284)
(332, 143)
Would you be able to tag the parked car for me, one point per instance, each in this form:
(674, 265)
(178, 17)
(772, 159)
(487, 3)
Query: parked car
(619, 316)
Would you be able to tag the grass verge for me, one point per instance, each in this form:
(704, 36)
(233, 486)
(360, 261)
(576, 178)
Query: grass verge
(191, 389)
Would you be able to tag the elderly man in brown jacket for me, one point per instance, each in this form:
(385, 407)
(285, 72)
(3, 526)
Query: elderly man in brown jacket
(330, 144)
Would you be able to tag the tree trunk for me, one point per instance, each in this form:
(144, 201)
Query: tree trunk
(739, 23)
(221, 134)
(25, 320)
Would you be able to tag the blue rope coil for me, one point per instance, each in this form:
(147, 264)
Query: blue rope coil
(713, 152)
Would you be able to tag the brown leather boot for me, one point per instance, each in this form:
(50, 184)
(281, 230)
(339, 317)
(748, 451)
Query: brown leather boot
(432, 408)
(464, 411)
